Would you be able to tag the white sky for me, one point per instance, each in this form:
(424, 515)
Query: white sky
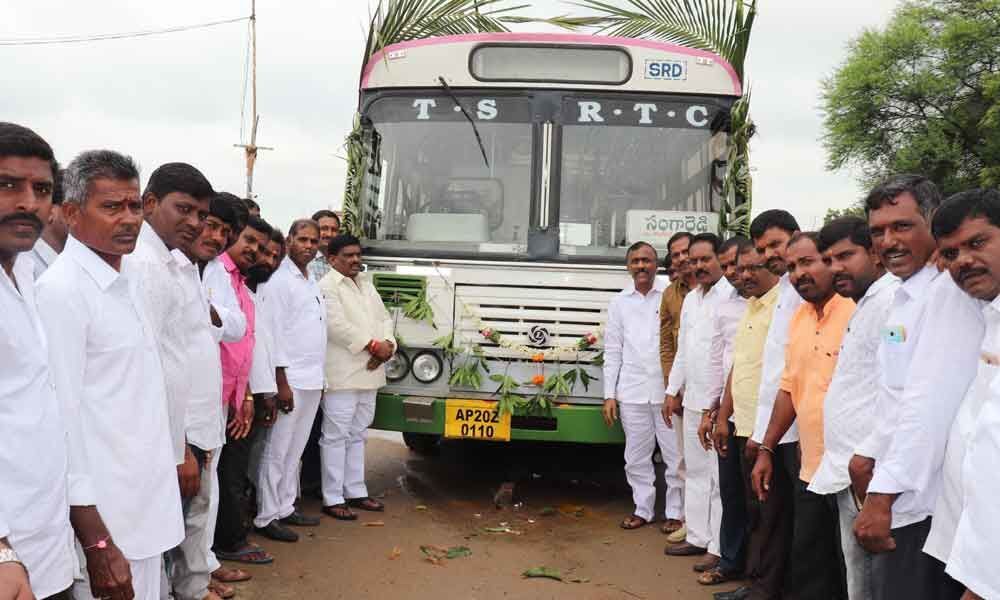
(177, 97)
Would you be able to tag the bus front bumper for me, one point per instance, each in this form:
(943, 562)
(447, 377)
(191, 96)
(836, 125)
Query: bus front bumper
(577, 423)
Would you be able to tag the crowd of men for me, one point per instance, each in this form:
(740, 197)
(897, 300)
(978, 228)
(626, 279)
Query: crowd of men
(833, 397)
(165, 353)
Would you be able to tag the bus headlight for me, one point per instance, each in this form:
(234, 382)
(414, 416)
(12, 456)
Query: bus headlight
(397, 367)
(427, 367)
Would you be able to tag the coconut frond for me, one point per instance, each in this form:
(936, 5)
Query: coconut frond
(568, 22)
(720, 26)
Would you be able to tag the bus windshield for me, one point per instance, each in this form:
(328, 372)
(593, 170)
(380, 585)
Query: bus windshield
(430, 186)
(586, 175)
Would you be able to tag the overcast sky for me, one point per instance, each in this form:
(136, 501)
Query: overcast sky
(177, 97)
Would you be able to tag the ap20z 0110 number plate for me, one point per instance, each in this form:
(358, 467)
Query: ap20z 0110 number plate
(475, 420)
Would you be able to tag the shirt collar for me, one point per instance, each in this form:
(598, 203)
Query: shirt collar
(768, 298)
(286, 263)
(45, 252)
(228, 264)
(181, 259)
(835, 304)
(337, 277)
(150, 238)
(659, 285)
(24, 272)
(917, 284)
(101, 272)
(886, 282)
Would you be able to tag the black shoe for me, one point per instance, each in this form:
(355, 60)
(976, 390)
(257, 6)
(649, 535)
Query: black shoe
(738, 594)
(298, 519)
(277, 532)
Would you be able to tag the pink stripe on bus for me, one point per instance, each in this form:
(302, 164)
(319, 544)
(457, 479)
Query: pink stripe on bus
(552, 38)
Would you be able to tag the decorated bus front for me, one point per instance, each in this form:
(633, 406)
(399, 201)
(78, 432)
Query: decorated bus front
(503, 179)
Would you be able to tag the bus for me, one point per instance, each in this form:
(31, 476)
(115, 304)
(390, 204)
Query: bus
(505, 176)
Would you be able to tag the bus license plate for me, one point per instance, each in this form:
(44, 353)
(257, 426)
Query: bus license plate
(475, 420)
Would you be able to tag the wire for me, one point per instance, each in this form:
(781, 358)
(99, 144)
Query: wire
(76, 39)
(246, 78)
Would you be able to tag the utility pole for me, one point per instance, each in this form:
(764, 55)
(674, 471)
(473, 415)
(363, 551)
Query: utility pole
(250, 150)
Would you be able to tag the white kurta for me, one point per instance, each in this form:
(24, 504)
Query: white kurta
(773, 362)
(34, 509)
(632, 371)
(300, 323)
(949, 505)
(849, 405)
(355, 315)
(221, 295)
(110, 385)
(942, 365)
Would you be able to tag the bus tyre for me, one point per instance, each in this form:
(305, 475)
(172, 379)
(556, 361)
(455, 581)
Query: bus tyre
(422, 443)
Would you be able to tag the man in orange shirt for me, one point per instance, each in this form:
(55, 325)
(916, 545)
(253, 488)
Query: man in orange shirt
(815, 569)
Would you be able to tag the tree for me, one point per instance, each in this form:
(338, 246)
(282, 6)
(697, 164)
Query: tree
(922, 96)
(719, 26)
(856, 210)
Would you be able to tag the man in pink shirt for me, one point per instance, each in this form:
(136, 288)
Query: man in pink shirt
(230, 530)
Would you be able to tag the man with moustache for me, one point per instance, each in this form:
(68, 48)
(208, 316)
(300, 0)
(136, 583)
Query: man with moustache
(703, 506)
(766, 561)
(329, 228)
(965, 527)
(53, 238)
(360, 341)
(681, 283)
(300, 325)
(814, 339)
(849, 406)
(175, 205)
(633, 387)
(36, 540)
(230, 530)
(732, 535)
(928, 353)
(123, 494)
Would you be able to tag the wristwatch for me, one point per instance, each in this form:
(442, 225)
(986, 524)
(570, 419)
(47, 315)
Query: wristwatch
(7, 555)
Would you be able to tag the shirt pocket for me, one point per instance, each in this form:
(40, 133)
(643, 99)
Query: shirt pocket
(896, 361)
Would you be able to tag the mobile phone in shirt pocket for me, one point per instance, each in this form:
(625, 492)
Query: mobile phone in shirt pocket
(897, 348)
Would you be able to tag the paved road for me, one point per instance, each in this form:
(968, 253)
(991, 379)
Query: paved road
(447, 501)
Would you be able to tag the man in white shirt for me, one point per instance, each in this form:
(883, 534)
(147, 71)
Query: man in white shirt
(733, 528)
(329, 227)
(299, 320)
(175, 205)
(360, 341)
(53, 237)
(36, 539)
(123, 493)
(849, 404)
(633, 388)
(928, 355)
(965, 526)
(690, 373)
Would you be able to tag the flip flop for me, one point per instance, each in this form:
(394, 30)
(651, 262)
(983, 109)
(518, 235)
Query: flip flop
(252, 555)
(716, 576)
(369, 504)
(231, 575)
(340, 512)
(633, 522)
(221, 590)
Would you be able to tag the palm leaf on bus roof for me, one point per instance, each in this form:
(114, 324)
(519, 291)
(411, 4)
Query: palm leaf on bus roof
(720, 26)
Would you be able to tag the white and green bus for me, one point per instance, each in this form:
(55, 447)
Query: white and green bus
(505, 176)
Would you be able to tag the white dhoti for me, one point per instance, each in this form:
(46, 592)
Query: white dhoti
(703, 505)
(192, 563)
(146, 579)
(644, 430)
(347, 414)
(278, 477)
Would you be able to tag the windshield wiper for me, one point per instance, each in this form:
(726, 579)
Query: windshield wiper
(468, 117)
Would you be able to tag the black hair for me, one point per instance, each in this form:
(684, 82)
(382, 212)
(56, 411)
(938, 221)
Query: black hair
(58, 191)
(222, 209)
(238, 208)
(251, 204)
(709, 238)
(740, 242)
(638, 245)
(680, 235)
(17, 140)
(776, 217)
(255, 222)
(848, 227)
(178, 177)
(278, 237)
(971, 204)
(325, 214)
(341, 241)
(300, 223)
(798, 236)
(923, 190)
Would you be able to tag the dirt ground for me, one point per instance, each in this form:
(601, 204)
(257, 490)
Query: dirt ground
(446, 500)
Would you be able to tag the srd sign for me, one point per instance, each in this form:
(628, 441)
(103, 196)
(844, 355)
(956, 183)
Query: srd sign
(666, 70)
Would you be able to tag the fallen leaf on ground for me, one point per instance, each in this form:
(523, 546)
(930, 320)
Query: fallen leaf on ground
(572, 510)
(544, 573)
(395, 553)
(580, 580)
(436, 554)
(458, 552)
(420, 507)
(503, 529)
(374, 524)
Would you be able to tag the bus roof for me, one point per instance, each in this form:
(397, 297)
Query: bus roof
(653, 66)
